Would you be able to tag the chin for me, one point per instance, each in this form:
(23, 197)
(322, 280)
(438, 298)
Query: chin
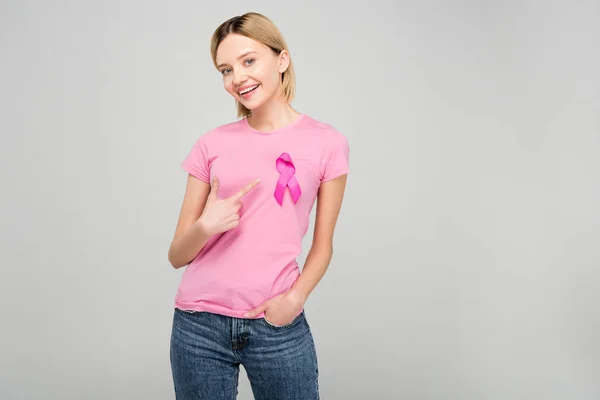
(252, 106)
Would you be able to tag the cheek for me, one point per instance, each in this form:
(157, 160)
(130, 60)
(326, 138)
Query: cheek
(270, 80)
(229, 89)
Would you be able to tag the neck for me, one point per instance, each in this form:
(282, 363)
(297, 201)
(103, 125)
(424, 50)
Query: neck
(272, 116)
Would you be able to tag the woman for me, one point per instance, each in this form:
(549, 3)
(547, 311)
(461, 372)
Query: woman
(251, 186)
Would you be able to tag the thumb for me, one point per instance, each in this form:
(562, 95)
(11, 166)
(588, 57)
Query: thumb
(253, 313)
(214, 187)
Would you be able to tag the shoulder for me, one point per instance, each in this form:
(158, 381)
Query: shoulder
(326, 132)
(218, 133)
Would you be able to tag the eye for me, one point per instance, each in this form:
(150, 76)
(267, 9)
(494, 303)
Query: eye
(225, 71)
(249, 61)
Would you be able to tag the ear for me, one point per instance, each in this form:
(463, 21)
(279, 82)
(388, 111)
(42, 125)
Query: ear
(284, 60)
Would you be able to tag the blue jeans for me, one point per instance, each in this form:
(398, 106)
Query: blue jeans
(207, 350)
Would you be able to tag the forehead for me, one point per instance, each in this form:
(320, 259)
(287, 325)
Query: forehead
(234, 45)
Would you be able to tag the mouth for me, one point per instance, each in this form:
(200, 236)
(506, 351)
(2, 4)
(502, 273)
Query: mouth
(248, 91)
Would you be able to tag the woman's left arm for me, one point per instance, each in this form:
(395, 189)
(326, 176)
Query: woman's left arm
(286, 306)
(329, 204)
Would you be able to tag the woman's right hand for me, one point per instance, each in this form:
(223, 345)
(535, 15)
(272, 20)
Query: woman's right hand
(221, 215)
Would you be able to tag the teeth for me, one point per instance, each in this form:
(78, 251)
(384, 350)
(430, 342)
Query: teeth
(249, 89)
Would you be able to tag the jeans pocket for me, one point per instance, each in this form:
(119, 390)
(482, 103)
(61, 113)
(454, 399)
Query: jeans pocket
(280, 327)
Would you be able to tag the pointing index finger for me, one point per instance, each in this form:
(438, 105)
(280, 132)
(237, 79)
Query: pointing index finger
(246, 189)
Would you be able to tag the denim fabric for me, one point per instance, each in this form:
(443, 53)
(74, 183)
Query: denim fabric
(207, 350)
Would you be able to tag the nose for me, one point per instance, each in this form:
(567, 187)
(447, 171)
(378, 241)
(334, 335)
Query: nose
(239, 77)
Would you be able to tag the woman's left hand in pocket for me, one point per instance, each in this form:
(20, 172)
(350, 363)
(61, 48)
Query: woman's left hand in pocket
(281, 309)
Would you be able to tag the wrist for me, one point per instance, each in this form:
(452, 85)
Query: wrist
(299, 294)
(202, 228)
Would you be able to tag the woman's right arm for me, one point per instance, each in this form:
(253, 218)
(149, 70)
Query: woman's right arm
(190, 236)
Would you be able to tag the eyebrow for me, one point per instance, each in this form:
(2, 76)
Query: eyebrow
(240, 56)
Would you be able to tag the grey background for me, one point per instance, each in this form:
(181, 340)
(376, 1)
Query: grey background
(466, 256)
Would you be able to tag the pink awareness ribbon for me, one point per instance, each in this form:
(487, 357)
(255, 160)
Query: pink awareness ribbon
(286, 170)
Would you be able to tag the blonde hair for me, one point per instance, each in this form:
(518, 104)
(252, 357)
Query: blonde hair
(260, 28)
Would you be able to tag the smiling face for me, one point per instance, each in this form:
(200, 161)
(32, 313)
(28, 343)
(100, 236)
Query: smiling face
(251, 71)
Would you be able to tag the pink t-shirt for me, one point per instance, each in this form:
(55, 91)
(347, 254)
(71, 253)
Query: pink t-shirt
(255, 261)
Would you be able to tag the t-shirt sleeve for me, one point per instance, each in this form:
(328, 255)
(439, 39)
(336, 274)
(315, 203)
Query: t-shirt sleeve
(336, 157)
(196, 162)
